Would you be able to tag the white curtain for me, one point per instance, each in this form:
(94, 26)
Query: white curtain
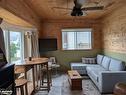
(25, 46)
(31, 44)
(35, 48)
(31, 47)
(34, 43)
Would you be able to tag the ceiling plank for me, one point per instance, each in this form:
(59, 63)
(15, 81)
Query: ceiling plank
(20, 9)
(12, 19)
(45, 8)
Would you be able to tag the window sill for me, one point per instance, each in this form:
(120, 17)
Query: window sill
(77, 49)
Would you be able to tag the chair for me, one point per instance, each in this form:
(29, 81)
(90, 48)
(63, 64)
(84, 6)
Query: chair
(44, 75)
(52, 62)
(21, 82)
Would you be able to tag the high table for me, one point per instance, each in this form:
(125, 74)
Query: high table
(31, 65)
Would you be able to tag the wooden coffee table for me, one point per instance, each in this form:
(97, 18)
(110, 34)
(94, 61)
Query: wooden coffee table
(75, 80)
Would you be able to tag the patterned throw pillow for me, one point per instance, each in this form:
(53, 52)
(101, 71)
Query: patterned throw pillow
(88, 60)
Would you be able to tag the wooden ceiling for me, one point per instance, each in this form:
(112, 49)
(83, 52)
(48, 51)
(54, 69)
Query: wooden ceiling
(12, 19)
(44, 8)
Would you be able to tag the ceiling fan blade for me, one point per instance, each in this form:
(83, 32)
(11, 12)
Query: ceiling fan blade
(61, 8)
(93, 8)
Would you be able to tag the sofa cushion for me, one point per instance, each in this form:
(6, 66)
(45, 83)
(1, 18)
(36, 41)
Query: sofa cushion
(81, 67)
(99, 59)
(95, 70)
(106, 62)
(116, 65)
(89, 60)
(94, 75)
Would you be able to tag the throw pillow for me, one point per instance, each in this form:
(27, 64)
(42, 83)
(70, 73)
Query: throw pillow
(88, 60)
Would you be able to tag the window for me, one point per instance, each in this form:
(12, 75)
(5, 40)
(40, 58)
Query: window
(14, 45)
(76, 39)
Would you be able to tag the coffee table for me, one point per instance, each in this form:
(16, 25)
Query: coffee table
(75, 80)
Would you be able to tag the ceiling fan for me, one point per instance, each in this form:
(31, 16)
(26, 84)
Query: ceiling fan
(78, 10)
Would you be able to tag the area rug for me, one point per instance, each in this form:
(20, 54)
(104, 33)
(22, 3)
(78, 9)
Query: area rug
(60, 86)
(88, 88)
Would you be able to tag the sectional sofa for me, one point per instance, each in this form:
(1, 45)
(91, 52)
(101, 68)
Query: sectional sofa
(105, 73)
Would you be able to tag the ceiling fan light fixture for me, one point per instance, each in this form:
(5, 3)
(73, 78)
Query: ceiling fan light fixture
(79, 13)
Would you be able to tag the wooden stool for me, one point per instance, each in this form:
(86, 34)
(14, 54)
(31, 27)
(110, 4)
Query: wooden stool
(20, 83)
(120, 89)
(44, 74)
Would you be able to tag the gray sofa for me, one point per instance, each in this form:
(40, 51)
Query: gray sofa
(105, 73)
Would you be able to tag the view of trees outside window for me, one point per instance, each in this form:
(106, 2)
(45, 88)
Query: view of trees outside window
(15, 46)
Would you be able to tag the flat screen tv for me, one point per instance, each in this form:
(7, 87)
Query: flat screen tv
(47, 44)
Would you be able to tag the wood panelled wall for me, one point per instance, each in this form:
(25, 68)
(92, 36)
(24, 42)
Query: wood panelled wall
(21, 9)
(52, 29)
(114, 31)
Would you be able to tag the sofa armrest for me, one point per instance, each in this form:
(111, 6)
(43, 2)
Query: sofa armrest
(108, 79)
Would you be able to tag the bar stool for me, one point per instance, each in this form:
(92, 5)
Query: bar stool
(43, 82)
(45, 75)
(120, 89)
(21, 83)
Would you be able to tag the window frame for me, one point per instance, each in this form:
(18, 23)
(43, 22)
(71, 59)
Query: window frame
(7, 44)
(78, 30)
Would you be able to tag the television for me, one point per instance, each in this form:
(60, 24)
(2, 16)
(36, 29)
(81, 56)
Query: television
(49, 44)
